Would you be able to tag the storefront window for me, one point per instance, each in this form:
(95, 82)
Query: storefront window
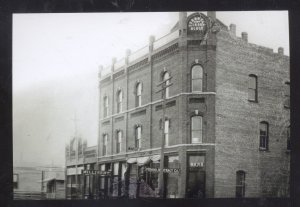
(132, 181)
(196, 177)
(171, 180)
(123, 171)
(115, 182)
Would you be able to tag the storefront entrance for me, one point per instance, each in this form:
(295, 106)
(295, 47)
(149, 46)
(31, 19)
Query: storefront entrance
(195, 176)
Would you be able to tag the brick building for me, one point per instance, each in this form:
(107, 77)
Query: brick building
(226, 125)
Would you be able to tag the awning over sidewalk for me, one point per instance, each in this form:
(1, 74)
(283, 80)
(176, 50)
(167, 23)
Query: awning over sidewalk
(143, 161)
(132, 160)
(155, 158)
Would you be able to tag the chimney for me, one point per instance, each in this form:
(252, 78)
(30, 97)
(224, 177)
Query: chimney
(280, 51)
(113, 61)
(151, 41)
(127, 54)
(182, 23)
(245, 36)
(232, 29)
(211, 14)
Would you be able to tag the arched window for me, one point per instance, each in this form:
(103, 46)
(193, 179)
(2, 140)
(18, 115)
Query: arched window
(263, 135)
(119, 101)
(104, 142)
(240, 184)
(166, 76)
(288, 138)
(252, 88)
(197, 78)
(196, 129)
(138, 137)
(119, 141)
(105, 106)
(138, 98)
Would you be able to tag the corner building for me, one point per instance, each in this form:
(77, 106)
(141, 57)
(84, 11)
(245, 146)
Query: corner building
(226, 116)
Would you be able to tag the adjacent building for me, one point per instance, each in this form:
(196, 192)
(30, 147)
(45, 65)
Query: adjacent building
(226, 122)
(36, 183)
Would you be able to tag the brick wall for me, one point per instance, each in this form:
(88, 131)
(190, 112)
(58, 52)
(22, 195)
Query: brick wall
(237, 119)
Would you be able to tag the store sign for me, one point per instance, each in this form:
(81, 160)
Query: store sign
(165, 170)
(95, 172)
(196, 164)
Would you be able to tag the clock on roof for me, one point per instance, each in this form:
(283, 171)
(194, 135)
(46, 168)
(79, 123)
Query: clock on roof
(197, 23)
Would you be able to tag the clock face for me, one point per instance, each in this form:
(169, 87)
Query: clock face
(197, 24)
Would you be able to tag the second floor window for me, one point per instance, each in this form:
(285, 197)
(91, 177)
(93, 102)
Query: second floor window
(196, 128)
(119, 141)
(138, 137)
(138, 98)
(263, 135)
(105, 106)
(252, 88)
(240, 184)
(119, 101)
(166, 134)
(197, 78)
(166, 76)
(105, 141)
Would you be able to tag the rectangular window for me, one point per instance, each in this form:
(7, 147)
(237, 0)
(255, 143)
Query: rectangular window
(252, 88)
(240, 184)
(119, 141)
(196, 129)
(105, 106)
(105, 140)
(138, 137)
(166, 132)
(263, 135)
(15, 181)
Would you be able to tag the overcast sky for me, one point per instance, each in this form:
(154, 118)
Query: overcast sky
(55, 66)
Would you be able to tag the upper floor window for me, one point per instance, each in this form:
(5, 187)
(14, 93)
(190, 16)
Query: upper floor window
(288, 141)
(16, 181)
(119, 101)
(166, 132)
(197, 78)
(166, 77)
(138, 137)
(105, 106)
(240, 184)
(138, 98)
(196, 129)
(119, 141)
(263, 135)
(252, 88)
(287, 94)
(105, 141)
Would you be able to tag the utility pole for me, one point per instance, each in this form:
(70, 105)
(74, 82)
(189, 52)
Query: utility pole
(162, 158)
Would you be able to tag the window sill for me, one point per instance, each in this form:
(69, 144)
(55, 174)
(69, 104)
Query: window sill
(264, 150)
(288, 151)
(253, 101)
